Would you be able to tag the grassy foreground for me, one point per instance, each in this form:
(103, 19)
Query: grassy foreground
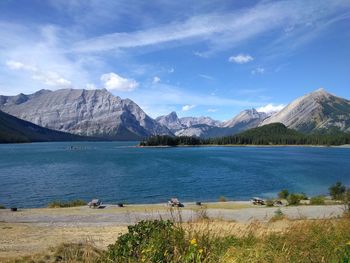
(165, 241)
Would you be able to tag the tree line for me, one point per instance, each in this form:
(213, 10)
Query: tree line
(271, 134)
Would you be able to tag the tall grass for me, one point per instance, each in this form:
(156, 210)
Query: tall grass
(310, 241)
(165, 241)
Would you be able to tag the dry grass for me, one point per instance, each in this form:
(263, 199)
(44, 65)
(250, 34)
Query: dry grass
(280, 241)
(85, 252)
(20, 239)
(303, 241)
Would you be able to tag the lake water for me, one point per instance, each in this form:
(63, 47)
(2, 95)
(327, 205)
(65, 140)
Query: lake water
(32, 175)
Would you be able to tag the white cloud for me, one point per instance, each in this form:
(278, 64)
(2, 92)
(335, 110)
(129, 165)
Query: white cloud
(188, 107)
(241, 58)
(112, 81)
(271, 108)
(49, 78)
(258, 70)
(212, 110)
(52, 79)
(16, 65)
(156, 80)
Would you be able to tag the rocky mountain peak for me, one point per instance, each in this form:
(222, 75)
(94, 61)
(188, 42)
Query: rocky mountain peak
(172, 116)
(246, 116)
(318, 110)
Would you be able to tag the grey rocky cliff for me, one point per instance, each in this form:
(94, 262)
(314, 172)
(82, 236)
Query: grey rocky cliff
(83, 112)
(316, 111)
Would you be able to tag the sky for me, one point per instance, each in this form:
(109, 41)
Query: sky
(198, 58)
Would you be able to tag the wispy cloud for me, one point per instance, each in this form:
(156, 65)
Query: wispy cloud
(204, 76)
(187, 107)
(48, 78)
(241, 58)
(222, 30)
(258, 71)
(34, 57)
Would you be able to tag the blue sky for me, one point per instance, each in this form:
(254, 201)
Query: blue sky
(198, 58)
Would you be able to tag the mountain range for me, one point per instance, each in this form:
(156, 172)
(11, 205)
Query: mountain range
(99, 113)
(316, 112)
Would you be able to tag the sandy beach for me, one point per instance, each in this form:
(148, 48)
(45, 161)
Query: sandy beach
(30, 231)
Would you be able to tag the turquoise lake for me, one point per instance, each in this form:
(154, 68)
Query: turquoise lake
(32, 175)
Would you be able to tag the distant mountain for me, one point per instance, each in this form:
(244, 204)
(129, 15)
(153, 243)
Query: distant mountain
(245, 120)
(84, 112)
(171, 121)
(187, 126)
(192, 121)
(14, 130)
(318, 111)
(205, 127)
(199, 130)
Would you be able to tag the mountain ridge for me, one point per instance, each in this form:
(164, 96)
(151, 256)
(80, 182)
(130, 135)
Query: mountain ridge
(314, 112)
(83, 112)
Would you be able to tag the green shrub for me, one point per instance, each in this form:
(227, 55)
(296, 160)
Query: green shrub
(294, 198)
(283, 194)
(2, 207)
(269, 202)
(317, 200)
(163, 241)
(150, 241)
(337, 190)
(60, 204)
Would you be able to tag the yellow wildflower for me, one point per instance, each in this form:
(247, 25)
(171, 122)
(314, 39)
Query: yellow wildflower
(348, 243)
(200, 251)
(193, 241)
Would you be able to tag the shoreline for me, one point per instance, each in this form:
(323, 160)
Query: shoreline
(247, 145)
(187, 204)
(149, 207)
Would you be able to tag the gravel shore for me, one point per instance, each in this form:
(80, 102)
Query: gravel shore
(117, 216)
